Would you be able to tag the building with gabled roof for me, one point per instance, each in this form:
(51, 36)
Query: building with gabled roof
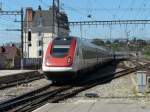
(39, 28)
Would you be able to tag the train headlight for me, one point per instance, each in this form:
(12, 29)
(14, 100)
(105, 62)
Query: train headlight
(69, 59)
(48, 63)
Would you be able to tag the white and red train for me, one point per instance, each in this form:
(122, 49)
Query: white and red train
(65, 57)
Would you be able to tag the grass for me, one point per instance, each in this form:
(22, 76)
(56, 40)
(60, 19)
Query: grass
(147, 57)
(147, 52)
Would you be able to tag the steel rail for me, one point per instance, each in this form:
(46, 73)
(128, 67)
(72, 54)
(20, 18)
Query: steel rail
(13, 102)
(39, 94)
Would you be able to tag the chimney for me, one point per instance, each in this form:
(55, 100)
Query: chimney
(29, 14)
(39, 8)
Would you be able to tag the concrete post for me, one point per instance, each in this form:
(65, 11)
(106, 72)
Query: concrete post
(141, 81)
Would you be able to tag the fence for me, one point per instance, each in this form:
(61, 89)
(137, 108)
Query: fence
(29, 63)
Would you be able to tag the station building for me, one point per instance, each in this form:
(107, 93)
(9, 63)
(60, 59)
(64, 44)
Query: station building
(40, 27)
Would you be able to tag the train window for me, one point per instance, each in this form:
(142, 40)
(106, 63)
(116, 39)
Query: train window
(60, 50)
(62, 41)
(61, 47)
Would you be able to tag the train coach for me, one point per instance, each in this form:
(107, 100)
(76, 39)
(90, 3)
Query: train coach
(66, 57)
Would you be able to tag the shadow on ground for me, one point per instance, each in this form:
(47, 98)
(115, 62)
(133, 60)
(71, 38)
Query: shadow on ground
(99, 75)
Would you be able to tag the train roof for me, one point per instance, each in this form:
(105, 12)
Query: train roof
(89, 43)
(85, 41)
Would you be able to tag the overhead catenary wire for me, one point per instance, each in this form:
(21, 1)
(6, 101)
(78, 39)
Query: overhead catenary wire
(78, 11)
(143, 4)
(128, 11)
(43, 3)
(119, 6)
(107, 9)
(130, 8)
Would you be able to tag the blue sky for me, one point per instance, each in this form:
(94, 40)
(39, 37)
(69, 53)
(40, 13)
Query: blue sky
(78, 10)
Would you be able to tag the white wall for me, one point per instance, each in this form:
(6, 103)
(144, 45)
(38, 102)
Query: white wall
(33, 49)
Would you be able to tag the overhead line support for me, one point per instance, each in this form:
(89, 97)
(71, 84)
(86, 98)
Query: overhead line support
(113, 22)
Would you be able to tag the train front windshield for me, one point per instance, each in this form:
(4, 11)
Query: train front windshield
(60, 47)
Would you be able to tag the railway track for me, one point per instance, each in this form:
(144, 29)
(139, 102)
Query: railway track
(54, 94)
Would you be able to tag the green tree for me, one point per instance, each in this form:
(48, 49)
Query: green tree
(98, 42)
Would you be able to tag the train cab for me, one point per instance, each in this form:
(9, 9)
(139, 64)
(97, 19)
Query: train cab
(59, 56)
(66, 57)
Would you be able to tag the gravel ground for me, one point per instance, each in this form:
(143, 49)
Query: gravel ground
(121, 90)
(115, 91)
(22, 89)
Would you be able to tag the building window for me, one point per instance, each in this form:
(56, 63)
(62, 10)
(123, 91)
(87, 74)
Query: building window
(39, 33)
(40, 52)
(40, 43)
(29, 35)
(29, 44)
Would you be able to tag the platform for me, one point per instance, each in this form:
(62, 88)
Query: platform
(93, 107)
(7, 76)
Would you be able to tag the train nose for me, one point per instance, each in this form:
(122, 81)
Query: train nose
(61, 62)
(61, 53)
